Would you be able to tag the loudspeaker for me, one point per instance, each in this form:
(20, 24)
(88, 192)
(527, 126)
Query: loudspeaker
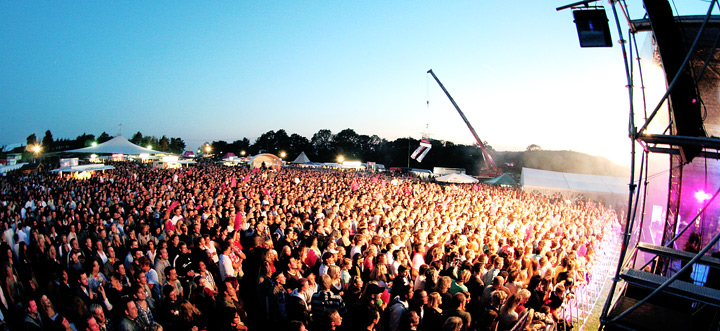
(592, 28)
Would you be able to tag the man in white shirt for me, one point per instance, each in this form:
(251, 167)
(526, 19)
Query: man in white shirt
(224, 263)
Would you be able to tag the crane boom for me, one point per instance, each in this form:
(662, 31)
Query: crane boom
(490, 166)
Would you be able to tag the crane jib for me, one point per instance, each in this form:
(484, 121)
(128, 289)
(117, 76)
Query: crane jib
(489, 162)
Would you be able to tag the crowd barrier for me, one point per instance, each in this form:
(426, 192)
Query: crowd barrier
(581, 300)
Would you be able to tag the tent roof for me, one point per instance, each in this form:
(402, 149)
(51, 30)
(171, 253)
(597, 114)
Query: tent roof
(8, 168)
(117, 145)
(572, 182)
(229, 155)
(270, 160)
(503, 179)
(84, 167)
(302, 158)
(456, 178)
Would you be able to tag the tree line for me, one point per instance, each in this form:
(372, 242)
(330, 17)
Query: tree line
(49, 144)
(325, 146)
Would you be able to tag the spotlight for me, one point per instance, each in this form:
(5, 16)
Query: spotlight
(701, 196)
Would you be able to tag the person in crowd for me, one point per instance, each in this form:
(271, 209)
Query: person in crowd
(229, 304)
(104, 323)
(225, 264)
(325, 299)
(297, 308)
(398, 308)
(145, 305)
(130, 320)
(161, 263)
(556, 299)
(508, 314)
(489, 318)
(33, 320)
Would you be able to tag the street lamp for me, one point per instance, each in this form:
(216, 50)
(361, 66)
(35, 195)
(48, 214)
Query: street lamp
(149, 146)
(340, 159)
(207, 149)
(242, 153)
(282, 154)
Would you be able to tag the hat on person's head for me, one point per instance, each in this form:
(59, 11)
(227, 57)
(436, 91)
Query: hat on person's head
(374, 289)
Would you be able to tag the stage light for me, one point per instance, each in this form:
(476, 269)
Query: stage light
(701, 196)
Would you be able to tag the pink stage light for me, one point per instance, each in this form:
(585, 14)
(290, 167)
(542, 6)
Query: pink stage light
(702, 196)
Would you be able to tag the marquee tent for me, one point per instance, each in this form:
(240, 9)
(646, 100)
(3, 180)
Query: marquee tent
(117, 145)
(270, 160)
(302, 158)
(229, 155)
(591, 186)
(456, 178)
(503, 179)
(84, 167)
(12, 167)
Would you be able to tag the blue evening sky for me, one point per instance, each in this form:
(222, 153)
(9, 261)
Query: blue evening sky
(224, 70)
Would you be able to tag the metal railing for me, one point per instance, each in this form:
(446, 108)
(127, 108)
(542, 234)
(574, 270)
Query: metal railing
(579, 306)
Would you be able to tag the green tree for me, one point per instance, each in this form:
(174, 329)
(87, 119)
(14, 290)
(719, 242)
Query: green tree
(298, 144)
(177, 145)
(103, 137)
(48, 141)
(32, 139)
(281, 141)
(137, 139)
(533, 147)
(265, 143)
(84, 140)
(322, 143)
(238, 146)
(220, 147)
(346, 142)
(164, 144)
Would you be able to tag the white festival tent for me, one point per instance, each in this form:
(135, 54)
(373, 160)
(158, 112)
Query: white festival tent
(302, 158)
(7, 168)
(84, 167)
(117, 145)
(456, 178)
(270, 161)
(568, 184)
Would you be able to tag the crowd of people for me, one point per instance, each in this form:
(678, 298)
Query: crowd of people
(211, 247)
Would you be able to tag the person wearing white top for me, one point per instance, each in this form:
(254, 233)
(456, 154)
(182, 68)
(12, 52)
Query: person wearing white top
(224, 263)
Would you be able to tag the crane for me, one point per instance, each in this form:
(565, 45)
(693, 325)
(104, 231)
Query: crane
(489, 168)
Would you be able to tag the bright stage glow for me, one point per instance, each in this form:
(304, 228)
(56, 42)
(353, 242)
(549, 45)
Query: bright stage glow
(701, 196)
